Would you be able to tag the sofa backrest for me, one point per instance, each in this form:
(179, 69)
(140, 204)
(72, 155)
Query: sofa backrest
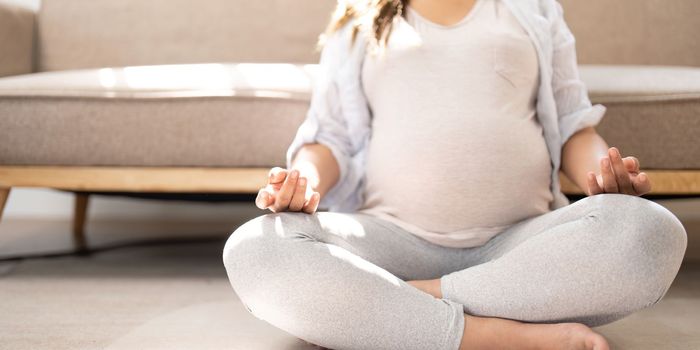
(99, 33)
(648, 32)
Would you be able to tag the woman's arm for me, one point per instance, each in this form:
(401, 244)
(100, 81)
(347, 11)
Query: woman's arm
(581, 154)
(316, 162)
(337, 123)
(586, 158)
(596, 168)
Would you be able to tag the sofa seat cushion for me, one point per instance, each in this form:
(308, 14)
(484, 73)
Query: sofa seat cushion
(233, 115)
(653, 112)
(245, 115)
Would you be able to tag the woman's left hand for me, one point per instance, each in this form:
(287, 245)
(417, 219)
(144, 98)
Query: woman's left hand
(618, 175)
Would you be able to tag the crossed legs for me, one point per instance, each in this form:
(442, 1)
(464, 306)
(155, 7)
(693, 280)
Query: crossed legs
(337, 279)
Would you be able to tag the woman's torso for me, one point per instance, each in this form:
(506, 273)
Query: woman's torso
(456, 153)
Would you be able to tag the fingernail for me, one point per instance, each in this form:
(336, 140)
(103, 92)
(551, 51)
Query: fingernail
(294, 174)
(302, 181)
(606, 163)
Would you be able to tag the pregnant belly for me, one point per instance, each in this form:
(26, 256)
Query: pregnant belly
(477, 176)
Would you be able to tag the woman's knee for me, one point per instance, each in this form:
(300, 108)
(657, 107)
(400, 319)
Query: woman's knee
(652, 241)
(255, 249)
(642, 223)
(261, 235)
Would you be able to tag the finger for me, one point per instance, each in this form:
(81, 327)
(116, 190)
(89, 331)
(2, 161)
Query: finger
(636, 161)
(284, 196)
(312, 204)
(609, 183)
(642, 184)
(624, 184)
(299, 197)
(277, 175)
(593, 186)
(263, 199)
(631, 163)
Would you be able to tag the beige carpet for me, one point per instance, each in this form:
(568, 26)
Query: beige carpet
(176, 296)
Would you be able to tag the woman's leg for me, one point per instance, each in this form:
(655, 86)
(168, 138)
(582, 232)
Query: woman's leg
(594, 261)
(318, 278)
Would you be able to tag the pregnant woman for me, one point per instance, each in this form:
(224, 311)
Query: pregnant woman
(435, 136)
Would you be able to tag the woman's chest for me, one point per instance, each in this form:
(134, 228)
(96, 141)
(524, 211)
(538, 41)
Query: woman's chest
(484, 63)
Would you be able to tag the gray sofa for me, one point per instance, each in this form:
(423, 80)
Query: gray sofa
(172, 85)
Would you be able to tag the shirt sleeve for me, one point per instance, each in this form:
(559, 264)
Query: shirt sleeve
(574, 108)
(336, 118)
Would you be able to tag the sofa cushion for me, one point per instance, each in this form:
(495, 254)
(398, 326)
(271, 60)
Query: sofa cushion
(180, 115)
(238, 115)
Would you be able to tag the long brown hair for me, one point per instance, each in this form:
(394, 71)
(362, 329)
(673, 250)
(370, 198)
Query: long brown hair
(377, 14)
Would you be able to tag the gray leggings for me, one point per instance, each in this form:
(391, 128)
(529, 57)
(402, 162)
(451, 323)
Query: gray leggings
(337, 279)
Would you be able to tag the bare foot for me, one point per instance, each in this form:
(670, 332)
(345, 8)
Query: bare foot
(497, 333)
(431, 287)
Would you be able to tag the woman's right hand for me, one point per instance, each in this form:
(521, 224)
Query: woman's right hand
(287, 191)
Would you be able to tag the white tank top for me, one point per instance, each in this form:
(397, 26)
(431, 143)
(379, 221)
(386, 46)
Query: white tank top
(457, 154)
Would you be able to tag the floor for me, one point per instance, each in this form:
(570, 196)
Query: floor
(162, 287)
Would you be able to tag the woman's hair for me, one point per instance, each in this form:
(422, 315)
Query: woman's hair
(375, 14)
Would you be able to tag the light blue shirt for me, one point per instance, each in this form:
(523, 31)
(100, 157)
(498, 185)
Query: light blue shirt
(339, 115)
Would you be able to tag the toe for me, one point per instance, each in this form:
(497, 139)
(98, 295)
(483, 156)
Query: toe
(598, 342)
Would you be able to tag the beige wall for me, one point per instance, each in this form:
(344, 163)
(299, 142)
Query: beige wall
(659, 32)
(96, 33)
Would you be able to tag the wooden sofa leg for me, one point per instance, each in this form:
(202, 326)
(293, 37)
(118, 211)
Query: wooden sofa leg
(4, 193)
(79, 217)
